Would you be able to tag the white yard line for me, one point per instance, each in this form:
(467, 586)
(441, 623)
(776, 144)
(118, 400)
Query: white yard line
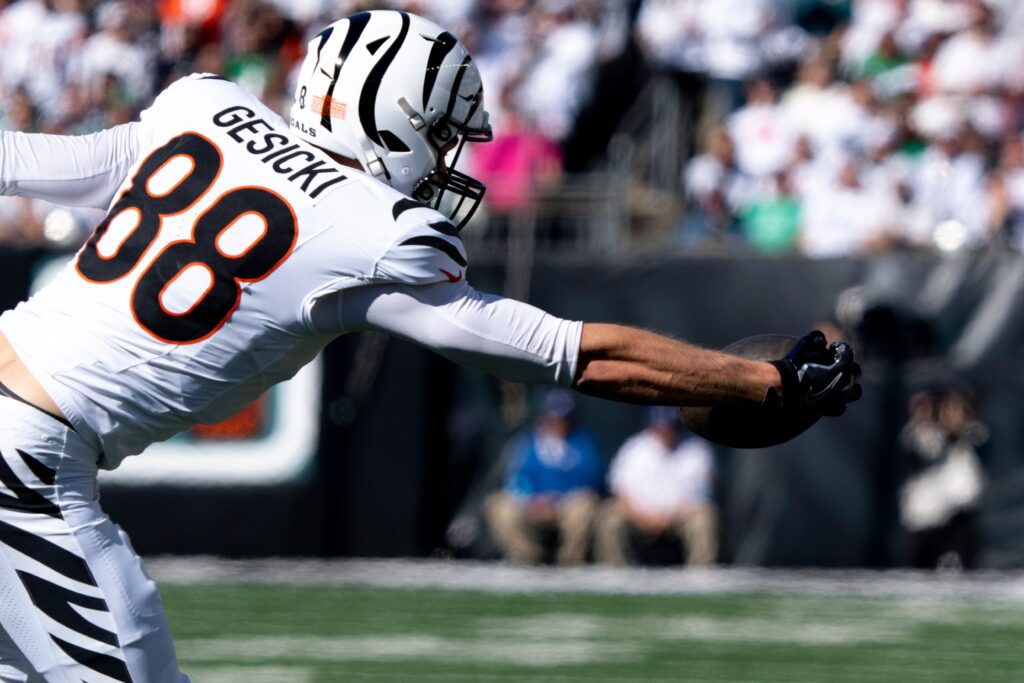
(535, 642)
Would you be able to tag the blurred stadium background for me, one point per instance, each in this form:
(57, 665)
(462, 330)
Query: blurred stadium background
(708, 168)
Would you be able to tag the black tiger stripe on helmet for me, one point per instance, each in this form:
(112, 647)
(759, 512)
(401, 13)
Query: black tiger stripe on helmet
(368, 97)
(443, 44)
(356, 25)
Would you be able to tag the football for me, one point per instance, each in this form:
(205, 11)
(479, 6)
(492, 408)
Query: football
(750, 426)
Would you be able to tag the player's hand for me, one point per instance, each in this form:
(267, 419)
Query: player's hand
(817, 377)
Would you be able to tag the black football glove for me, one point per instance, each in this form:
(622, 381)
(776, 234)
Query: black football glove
(816, 377)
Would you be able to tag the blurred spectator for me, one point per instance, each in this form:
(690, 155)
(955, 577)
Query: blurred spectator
(19, 220)
(661, 482)
(844, 217)
(552, 485)
(671, 33)
(1006, 193)
(730, 41)
(949, 181)
(500, 42)
(761, 132)
(189, 38)
(115, 58)
(716, 189)
(872, 21)
(518, 162)
(556, 82)
(33, 222)
(257, 60)
(40, 43)
(771, 223)
(834, 116)
(939, 498)
(971, 62)
(886, 57)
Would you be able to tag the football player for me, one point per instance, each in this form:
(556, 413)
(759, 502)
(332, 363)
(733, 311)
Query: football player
(235, 246)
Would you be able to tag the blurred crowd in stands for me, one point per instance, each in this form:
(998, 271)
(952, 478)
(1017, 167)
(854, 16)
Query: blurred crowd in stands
(822, 127)
(898, 127)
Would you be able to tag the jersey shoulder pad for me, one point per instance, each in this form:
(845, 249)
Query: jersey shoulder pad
(427, 247)
(181, 95)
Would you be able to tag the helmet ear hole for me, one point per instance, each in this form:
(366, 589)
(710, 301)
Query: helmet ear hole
(442, 133)
(423, 192)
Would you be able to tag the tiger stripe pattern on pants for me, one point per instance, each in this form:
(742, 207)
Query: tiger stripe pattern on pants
(75, 602)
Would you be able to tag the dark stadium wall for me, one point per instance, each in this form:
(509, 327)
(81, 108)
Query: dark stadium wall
(409, 442)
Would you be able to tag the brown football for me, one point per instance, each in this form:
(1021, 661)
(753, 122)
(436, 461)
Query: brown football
(750, 426)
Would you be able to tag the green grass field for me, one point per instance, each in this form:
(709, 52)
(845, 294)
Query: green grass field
(263, 632)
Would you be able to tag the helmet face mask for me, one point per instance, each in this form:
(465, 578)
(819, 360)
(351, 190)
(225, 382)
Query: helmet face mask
(450, 137)
(396, 93)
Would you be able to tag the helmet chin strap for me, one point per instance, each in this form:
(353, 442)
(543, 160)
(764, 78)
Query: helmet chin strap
(375, 167)
(342, 159)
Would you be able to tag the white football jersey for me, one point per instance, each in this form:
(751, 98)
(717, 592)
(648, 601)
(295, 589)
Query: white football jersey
(194, 295)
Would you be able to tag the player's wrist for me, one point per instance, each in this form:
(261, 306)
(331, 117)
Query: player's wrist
(784, 383)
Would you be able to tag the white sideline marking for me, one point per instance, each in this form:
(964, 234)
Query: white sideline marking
(249, 674)
(568, 626)
(542, 641)
(504, 578)
(397, 647)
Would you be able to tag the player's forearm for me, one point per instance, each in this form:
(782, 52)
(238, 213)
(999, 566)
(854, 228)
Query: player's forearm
(81, 170)
(629, 364)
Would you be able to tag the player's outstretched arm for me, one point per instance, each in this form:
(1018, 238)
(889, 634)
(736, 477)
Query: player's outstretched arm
(519, 342)
(629, 364)
(71, 170)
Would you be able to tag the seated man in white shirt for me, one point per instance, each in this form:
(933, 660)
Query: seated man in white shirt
(661, 484)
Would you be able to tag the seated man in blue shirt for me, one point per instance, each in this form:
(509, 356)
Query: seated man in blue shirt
(552, 483)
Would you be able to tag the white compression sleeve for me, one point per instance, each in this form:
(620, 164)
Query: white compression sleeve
(504, 337)
(80, 170)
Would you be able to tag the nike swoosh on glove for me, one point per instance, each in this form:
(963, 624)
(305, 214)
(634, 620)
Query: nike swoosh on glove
(817, 377)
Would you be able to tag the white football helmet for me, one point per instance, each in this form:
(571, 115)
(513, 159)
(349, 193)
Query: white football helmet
(397, 93)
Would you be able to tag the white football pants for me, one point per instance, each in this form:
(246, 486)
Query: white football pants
(76, 604)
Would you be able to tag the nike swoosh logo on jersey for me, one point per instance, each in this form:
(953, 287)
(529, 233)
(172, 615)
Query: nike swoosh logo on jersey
(451, 278)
